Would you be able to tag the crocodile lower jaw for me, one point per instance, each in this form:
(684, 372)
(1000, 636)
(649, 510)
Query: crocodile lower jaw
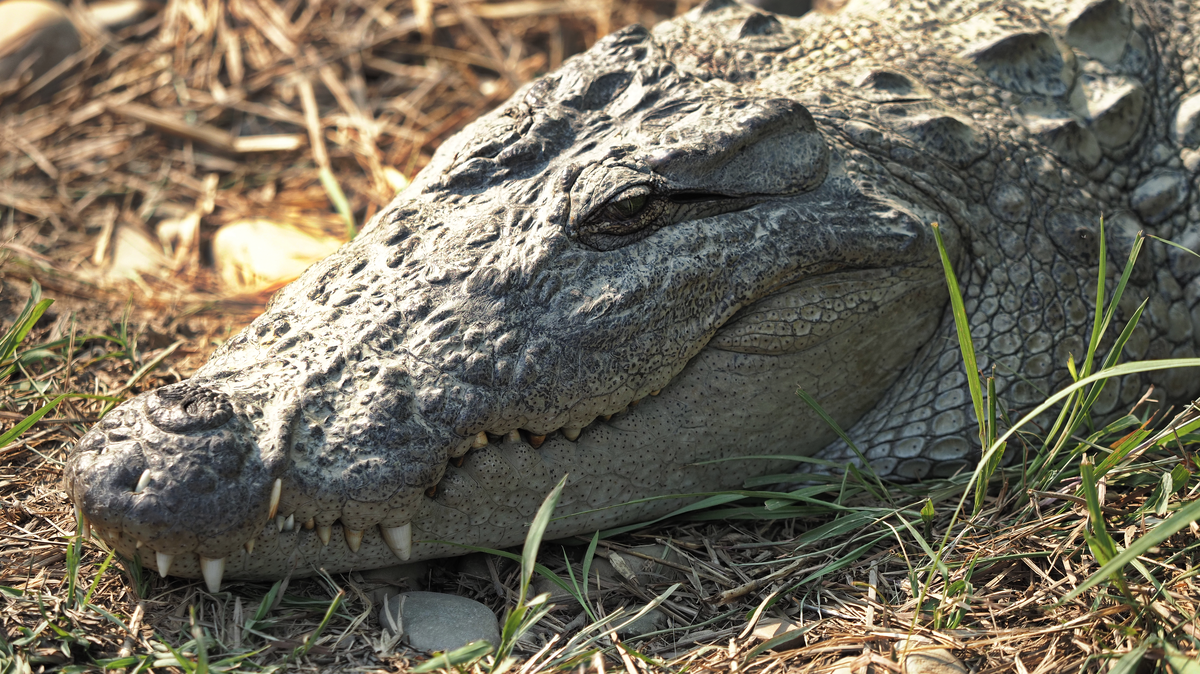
(284, 536)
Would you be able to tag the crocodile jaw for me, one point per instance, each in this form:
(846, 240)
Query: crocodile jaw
(690, 429)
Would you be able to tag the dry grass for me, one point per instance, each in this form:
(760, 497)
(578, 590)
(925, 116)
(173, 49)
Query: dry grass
(168, 118)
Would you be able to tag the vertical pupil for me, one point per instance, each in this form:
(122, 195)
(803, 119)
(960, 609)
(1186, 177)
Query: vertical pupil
(631, 206)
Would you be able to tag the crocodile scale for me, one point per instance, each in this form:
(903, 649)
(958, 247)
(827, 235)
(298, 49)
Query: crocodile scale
(624, 273)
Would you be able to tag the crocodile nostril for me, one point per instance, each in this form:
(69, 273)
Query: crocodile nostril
(188, 408)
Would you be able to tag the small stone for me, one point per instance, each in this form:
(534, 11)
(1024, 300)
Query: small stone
(117, 14)
(652, 621)
(252, 255)
(180, 238)
(923, 659)
(475, 564)
(431, 621)
(769, 628)
(134, 253)
(35, 35)
(653, 572)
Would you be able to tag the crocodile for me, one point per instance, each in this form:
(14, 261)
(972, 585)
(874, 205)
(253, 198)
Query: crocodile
(623, 274)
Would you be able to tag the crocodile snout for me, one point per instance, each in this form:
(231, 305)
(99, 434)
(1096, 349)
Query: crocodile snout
(177, 471)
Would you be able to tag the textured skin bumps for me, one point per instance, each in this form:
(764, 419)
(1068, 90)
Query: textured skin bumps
(701, 218)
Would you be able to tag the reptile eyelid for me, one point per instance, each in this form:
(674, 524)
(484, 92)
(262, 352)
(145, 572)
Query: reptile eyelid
(625, 205)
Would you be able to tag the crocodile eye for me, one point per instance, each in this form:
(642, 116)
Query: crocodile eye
(631, 214)
(624, 209)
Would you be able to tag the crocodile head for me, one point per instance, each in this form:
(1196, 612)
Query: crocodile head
(622, 275)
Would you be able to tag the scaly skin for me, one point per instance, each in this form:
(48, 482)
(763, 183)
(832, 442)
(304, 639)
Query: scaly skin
(726, 209)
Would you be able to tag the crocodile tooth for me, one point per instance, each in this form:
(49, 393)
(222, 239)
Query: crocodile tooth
(280, 520)
(513, 436)
(606, 417)
(324, 531)
(309, 523)
(142, 481)
(290, 523)
(656, 392)
(354, 539)
(164, 563)
(138, 545)
(399, 539)
(634, 403)
(212, 569)
(571, 434)
(536, 441)
(276, 489)
(480, 441)
(249, 545)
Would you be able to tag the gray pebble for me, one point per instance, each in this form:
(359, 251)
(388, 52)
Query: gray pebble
(922, 659)
(36, 34)
(653, 621)
(431, 621)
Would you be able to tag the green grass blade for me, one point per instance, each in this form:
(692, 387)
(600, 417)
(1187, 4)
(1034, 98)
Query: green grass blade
(1169, 527)
(99, 574)
(24, 424)
(1180, 663)
(882, 492)
(533, 539)
(35, 306)
(585, 570)
(264, 606)
(1115, 353)
(989, 466)
(316, 634)
(1098, 317)
(963, 329)
(459, 656)
(342, 205)
(201, 642)
(845, 560)
(1115, 371)
(710, 502)
(154, 362)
